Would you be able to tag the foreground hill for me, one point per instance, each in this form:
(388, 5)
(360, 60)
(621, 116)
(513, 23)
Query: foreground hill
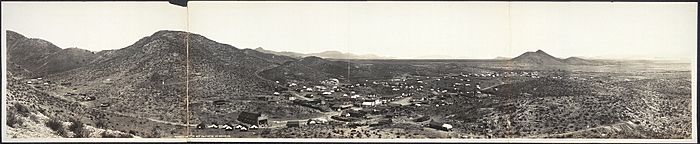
(149, 79)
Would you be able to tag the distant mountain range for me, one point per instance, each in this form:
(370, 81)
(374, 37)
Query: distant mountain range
(325, 54)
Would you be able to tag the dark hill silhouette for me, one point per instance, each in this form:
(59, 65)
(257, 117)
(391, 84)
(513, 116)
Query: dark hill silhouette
(538, 57)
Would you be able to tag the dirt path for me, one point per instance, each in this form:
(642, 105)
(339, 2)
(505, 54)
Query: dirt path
(612, 126)
(257, 72)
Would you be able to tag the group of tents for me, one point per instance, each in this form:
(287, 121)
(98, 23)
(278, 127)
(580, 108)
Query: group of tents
(228, 127)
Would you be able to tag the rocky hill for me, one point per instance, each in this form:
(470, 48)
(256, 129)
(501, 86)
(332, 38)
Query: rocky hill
(36, 57)
(538, 57)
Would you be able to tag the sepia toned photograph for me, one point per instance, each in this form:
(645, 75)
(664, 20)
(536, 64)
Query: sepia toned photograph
(349, 71)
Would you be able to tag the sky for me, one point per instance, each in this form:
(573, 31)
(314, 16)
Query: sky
(480, 30)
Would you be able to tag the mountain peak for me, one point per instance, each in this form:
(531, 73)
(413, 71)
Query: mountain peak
(13, 34)
(165, 32)
(170, 34)
(538, 57)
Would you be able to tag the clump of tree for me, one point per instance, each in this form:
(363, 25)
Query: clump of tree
(21, 109)
(13, 119)
(14, 115)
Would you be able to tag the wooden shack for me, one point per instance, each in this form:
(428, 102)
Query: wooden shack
(293, 124)
(252, 118)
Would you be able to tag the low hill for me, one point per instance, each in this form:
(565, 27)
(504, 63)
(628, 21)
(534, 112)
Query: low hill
(579, 61)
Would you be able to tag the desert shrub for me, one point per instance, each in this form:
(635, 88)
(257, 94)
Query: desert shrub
(156, 132)
(101, 123)
(78, 129)
(57, 126)
(13, 119)
(21, 109)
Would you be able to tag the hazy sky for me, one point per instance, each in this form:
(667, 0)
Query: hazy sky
(395, 29)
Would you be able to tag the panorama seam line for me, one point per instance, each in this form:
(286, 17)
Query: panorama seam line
(187, 75)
